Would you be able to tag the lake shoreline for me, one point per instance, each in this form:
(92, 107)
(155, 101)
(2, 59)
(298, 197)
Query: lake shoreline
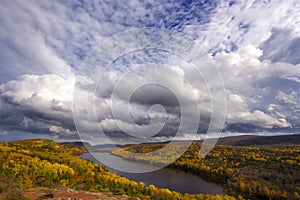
(171, 166)
(169, 177)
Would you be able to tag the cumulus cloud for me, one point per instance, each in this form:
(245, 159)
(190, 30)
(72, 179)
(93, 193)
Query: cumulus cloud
(255, 45)
(60, 130)
(37, 102)
(258, 89)
(239, 113)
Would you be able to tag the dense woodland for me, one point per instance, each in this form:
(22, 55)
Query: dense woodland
(264, 172)
(246, 172)
(44, 163)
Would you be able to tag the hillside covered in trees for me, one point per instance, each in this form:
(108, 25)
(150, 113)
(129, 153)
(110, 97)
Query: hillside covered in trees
(250, 172)
(43, 163)
(246, 172)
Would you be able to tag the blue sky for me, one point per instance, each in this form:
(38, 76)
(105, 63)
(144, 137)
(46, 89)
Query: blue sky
(255, 46)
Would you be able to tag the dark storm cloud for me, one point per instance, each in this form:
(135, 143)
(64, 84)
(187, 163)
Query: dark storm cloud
(155, 94)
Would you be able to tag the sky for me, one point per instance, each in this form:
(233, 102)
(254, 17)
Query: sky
(148, 69)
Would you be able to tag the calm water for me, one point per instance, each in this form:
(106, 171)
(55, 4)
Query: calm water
(173, 179)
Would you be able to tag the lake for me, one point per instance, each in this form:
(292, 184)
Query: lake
(173, 179)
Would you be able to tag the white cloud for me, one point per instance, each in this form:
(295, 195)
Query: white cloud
(36, 102)
(290, 98)
(255, 88)
(3, 133)
(44, 102)
(23, 46)
(40, 91)
(238, 112)
(60, 130)
(252, 22)
(43, 44)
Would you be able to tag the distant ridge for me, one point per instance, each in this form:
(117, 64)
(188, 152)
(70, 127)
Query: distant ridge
(250, 140)
(88, 145)
(77, 144)
(241, 140)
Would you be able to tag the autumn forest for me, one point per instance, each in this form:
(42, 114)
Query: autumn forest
(246, 172)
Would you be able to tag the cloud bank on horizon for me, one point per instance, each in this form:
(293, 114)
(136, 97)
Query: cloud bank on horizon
(254, 44)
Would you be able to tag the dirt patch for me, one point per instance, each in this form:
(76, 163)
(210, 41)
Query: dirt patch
(68, 194)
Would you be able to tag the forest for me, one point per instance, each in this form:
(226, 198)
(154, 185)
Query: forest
(47, 164)
(246, 172)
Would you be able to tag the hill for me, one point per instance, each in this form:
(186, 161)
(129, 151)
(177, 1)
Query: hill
(254, 140)
(29, 164)
(250, 167)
